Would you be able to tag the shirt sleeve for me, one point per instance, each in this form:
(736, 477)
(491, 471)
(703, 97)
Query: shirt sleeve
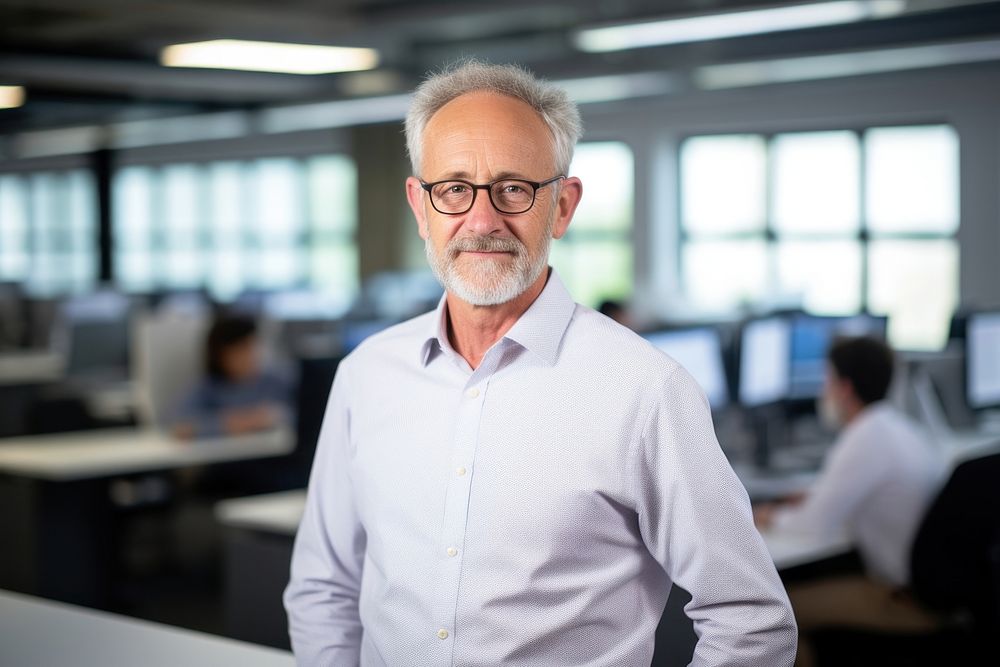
(695, 519)
(851, 472)
(323, 591)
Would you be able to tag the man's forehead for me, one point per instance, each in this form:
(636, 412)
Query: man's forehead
(486, 127)
(478, 102)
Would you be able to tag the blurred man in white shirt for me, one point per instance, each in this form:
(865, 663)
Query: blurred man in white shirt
(877, 481)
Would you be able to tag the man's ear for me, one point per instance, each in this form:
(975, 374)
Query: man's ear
(415, 197)
(570, 192)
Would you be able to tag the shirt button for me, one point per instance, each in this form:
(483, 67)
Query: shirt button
(442, 634)
(460, 471)
(452, 551)
(472, 393)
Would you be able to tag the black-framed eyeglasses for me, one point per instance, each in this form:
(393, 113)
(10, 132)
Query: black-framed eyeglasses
(508, 195)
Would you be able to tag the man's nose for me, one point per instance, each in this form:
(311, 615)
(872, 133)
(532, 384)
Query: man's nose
(482, 218)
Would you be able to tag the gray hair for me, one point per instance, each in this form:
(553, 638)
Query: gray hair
(551, 102)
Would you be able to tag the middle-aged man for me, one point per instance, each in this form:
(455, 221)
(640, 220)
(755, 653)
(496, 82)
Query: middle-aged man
(515, 479)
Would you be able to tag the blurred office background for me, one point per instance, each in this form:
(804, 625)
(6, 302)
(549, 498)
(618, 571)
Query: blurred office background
(758, 177)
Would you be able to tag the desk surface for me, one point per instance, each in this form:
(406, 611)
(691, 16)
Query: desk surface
(93, 454)
(790, 550)
(30, 366)
(42, 632)
(960, 446)
(766, 485)
(271, 512)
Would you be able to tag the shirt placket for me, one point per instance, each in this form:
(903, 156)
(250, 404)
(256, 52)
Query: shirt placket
(462, 464)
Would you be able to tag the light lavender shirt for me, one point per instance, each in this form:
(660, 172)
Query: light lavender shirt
(533, 511)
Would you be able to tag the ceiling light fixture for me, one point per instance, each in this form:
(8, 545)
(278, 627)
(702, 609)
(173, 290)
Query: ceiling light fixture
(269, 57)
(733, 24)
(11, 97)
(615, 87)
(853, 63)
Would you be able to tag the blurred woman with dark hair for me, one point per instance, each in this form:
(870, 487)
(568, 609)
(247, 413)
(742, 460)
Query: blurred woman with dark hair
(237, 395)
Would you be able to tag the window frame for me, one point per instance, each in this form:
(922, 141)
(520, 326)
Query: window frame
(771, 237)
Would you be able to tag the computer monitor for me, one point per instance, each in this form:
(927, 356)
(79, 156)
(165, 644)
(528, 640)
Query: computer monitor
(699, 350)
(811, 337)
(93, 333)
(765, 353)
(982, 360)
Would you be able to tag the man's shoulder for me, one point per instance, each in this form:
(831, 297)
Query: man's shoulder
(401, 338)
(613, 345)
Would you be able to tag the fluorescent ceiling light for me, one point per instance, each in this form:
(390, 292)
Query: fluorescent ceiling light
(342, 113)
(63, 141)
(269, 57)
(11, 96)
(617, 87)
(733, 24)
(807, 68)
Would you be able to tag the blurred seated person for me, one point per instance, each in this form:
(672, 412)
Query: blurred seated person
(877, 481)
(237, 396)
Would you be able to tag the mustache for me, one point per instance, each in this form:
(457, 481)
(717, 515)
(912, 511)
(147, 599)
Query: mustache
(484, 244)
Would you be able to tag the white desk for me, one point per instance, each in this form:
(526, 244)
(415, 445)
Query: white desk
(763, 485)
(790, 550)
(959, 446)
(104, 453)
(58, 521)
(278, 513)
(37, 632)
(30, 367)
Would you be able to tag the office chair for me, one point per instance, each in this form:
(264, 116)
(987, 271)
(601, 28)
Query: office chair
(955, 561)
(166, 349)
(955, 571)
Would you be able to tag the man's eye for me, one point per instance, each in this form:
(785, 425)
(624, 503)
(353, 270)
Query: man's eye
(457, 189)
(513, 189)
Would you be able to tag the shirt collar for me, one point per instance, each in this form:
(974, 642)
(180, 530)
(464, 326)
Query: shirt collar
(539, 330)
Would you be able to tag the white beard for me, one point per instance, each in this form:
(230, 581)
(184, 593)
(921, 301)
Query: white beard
(497, 281)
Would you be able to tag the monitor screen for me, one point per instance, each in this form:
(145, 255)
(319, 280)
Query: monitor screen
(765, 352)
(811, 336)
(93, 332)
(700, 352)
(982, 354)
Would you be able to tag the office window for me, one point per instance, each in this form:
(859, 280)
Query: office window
(815, 185)
(14, 228)
(595, 256)
(48, 231)
(182, 226)
(722, 184)
(834, 221)
(912, 180)
(332, 182)
(913, 213)
(266, 224)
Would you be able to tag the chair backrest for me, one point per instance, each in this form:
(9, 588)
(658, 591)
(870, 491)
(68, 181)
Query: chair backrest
(955, 561)
(167, 361)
